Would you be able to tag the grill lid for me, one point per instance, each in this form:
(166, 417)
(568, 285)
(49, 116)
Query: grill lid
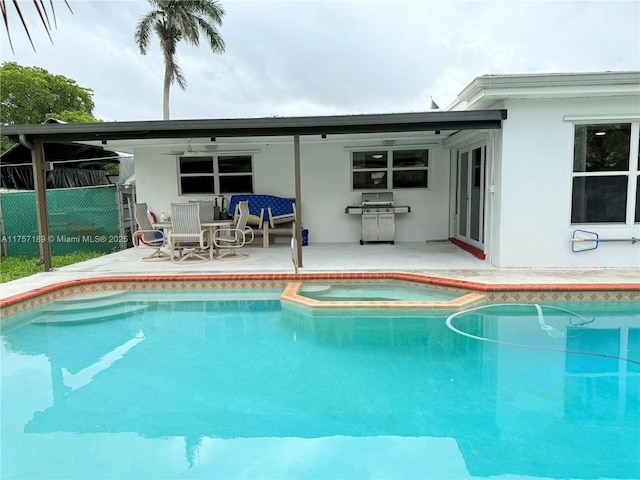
(379, 198)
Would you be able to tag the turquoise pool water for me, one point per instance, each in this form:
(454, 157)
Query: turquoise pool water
(357, 292)
(239, 388)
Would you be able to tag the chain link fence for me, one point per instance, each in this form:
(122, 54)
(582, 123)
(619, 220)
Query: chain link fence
(87, 219)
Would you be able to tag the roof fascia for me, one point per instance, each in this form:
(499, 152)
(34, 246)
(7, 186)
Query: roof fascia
(554, 85)
(250, 127)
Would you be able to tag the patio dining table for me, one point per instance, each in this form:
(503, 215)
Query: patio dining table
(211, 226)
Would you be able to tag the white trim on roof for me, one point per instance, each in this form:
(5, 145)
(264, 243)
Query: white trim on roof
(601, 118)
(489, 89)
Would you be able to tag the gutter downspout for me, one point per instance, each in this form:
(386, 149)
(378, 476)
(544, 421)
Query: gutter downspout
(40, 168)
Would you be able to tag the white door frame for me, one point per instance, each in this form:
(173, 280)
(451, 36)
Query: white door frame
(471, 168)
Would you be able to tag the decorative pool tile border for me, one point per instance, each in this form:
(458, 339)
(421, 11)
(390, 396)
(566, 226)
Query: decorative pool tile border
(491, 292)
(467, 300)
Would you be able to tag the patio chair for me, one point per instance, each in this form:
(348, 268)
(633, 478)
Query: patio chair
(207, 210)
(234, 237)
(248, 230)
(282, 225)
(188, 241)
(146, 236)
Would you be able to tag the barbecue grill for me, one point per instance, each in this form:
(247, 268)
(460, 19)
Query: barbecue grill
(378, 217)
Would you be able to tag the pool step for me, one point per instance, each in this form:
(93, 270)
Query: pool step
(313, 288)
(86, 313)
(84, 305)
(90, 297)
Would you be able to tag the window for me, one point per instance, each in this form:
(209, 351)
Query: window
(196, 175)
(606, 181)
(370, 170)
(225, 174)
(235, 174)
(410, 168)
(373, 170)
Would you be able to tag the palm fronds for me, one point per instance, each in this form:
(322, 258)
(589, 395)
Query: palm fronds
(43, 12)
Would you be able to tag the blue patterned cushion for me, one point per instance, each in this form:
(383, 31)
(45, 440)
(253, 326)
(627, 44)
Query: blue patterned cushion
(257, 202)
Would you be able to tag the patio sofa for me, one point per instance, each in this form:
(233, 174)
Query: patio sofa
(272, 215)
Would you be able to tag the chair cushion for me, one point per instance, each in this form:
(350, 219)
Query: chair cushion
(253, 219)
(258, 202)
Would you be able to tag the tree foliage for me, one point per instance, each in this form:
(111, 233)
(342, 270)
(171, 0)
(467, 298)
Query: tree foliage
(32, 94)
(75, 116)
(176, 20)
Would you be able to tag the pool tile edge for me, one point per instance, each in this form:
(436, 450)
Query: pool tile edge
(291, 296)
(491, 292)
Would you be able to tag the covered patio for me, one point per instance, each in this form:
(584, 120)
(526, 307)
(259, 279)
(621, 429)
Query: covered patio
(425, 128)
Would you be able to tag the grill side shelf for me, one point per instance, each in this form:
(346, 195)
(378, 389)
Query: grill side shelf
(402, 209)
(351, 210)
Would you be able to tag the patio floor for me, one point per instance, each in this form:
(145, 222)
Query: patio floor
(439, 259)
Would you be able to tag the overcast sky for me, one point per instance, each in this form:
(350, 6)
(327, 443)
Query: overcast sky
(312, 57)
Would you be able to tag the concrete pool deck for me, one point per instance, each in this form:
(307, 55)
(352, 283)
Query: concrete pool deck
(431, 259)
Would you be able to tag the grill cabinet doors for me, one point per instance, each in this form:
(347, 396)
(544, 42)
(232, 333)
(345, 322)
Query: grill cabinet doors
(378, 226)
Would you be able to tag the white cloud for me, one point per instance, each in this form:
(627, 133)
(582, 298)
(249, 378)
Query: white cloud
(324, 57)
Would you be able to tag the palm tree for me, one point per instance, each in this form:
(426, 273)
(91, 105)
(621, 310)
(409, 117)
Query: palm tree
(175, 20)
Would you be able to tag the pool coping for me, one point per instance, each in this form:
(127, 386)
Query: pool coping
(491, 292)
(466, 299)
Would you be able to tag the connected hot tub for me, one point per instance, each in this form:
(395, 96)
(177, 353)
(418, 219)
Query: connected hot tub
(372, 292)
(383, 295)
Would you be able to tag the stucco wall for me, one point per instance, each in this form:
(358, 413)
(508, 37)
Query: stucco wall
(325, 185)
(535, 190)
(529, 211)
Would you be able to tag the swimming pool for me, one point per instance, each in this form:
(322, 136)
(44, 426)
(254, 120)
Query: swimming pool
(179, 386)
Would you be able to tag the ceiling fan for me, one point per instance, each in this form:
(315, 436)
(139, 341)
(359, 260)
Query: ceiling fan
(192, 151)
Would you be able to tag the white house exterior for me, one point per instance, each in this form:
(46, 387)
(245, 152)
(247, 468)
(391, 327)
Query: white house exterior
(531, 174)
(562, 157)
(521, 177)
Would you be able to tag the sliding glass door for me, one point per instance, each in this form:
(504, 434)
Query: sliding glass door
(470, 196)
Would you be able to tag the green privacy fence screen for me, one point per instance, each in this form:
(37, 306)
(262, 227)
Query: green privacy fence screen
(80, 220)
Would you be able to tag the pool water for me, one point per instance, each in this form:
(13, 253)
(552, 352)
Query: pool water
(357, 292)
(242, 389)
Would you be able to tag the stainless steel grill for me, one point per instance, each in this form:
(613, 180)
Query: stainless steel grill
(378, 217)
(381, 199)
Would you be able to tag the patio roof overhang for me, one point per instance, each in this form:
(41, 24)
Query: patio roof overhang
(35, 136)
(257, 127)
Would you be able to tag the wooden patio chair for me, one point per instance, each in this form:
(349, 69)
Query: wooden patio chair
(279, 225)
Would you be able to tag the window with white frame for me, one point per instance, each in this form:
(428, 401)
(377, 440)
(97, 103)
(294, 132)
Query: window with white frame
(390, 169)
(196, 175)
(606, 181)
(224, 174)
